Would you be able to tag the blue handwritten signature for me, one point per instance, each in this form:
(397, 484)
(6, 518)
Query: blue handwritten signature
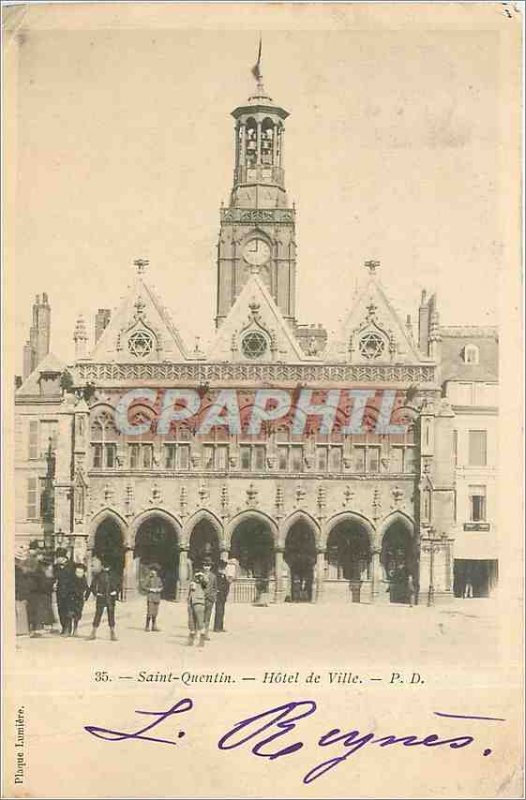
(264, 730)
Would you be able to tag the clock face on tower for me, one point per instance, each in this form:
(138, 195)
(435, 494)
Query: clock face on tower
(256, 252)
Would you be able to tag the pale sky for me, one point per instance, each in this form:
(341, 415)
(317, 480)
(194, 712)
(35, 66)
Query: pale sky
(125, 150)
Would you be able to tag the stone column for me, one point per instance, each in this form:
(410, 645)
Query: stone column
(278, 572)
(376, 575)
(320, 575)
(243, 145)
(129, 582)
(237, 148)
(281, 144)
(258, 143)
(275, 146)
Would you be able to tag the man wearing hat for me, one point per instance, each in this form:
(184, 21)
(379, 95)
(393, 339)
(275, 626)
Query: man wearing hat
(63, 574)
(223, 587)
(210, 593)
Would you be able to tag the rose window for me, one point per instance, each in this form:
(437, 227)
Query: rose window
(254, 345)
(372, 346)
(140, 344)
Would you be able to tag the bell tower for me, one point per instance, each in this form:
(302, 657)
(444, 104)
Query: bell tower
(258, 226)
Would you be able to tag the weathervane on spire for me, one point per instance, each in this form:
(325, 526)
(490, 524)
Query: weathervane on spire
(372, 266)
(141, 264)
(256, 69)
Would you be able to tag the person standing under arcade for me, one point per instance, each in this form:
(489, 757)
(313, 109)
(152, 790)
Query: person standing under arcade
(223, 588)
(210, 594)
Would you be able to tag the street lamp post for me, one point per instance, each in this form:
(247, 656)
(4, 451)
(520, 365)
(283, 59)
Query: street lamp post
(47, 503)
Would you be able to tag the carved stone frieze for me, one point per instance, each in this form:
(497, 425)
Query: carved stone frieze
(199, 372)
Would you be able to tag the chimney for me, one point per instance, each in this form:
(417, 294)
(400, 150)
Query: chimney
(434, 331)
(37, 346)
(43, 327)
(80, 337)
(29, 360)
(423, 324)
(102, 319)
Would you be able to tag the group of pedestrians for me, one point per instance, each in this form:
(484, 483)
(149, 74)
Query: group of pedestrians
(36, 579)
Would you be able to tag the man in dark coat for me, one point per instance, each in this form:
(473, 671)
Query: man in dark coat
(105, 588)
(223, 587)
(210, 594)
(78, 588)
(63, 573)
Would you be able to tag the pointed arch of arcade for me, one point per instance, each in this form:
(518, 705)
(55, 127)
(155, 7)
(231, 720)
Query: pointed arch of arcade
(252, 537)
(107, 514)
(203, 515)
(398, 557)
(203, 536)
(155, 536)
(351, 517)
(108, 539)
(349, 544)
(396, 516)
(149, 514)
(245, 516)
(300, 516)
(300, 538)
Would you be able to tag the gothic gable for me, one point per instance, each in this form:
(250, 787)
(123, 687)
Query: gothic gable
(372, 332)
(140, 330)
(254, 330)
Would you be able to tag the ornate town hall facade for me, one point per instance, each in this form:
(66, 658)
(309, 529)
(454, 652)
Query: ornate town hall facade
(316, 515)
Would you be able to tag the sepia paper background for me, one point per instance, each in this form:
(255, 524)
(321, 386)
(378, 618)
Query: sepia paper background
(77, 245)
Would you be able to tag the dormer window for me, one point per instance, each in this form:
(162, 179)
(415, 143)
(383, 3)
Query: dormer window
(470, 354)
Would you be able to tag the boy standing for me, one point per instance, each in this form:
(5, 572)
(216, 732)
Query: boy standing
(196, 608)
(154, 587)
(104, 587)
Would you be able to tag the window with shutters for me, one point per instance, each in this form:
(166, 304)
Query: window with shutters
(477, 455)
(32, 499)
(33, 439)
(48, 437)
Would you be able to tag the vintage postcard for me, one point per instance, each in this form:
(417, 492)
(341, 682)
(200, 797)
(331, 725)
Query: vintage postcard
(262, 418)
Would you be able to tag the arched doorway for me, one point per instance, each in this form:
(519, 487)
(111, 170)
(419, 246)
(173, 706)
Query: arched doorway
(108, 546)
(300, 557)
(252, 545)
(349, 558)
(156, 542)
(204, 543)
(398, 559)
